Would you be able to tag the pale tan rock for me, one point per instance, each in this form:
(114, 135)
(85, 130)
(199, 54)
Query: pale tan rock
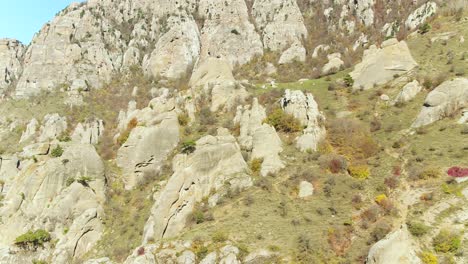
(450, 97)
(420, 15)
(380, 65)
(395, 248)
(216, 164)
(408, 92)
(11, 52)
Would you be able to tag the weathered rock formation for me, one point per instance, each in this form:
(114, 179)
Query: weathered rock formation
(381, 65)
(11, 52)
(56, 194)
(395, 248)
(149, 135)
(420, 15)
(445, 100)
(259, 138)
(408, 92)
(305, 109)
(216, 165)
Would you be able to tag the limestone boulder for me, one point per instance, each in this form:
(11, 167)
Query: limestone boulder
(305, 109)
(306, 189)
(334, 63)
(408, 92)
(319, 49)
(420, 15)
(395, 248)
(215, 166)
(295, 53)
(381, 65)
(259, 138)
(445, 100)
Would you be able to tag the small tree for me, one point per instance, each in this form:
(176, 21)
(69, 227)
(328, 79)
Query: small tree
(57, 152)
(283, 122)
(446, 241)
(424, 28)
(188, 147)
(348, 80)
(33, 240)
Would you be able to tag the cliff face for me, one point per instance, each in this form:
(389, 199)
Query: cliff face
(87, 43)
(136, 125)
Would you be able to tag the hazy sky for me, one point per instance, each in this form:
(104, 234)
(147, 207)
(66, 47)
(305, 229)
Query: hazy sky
(20, 19)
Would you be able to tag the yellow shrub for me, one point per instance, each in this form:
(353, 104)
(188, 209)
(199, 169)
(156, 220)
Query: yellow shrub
(380, 198)
(359, 171)
(428, 258)
(256, 166)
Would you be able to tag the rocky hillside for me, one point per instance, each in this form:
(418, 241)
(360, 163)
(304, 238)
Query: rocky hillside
(242, 131)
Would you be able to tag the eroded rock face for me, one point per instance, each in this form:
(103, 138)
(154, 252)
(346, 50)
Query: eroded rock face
(176, 51)
(334, 63)
(305, 109)
(11, 52)
(213, 77)
(46, 195)
(419, 16)
(381, 65)
(448, 98)
(88, 133)
(395, 248)
(52, 127)
(150, 142)
(217, 164)
(259, 138)
(280, 22)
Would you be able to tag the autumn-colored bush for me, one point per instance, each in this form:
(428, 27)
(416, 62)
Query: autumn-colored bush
(125, 134)
(256, 165)
(428, 258)
(333, 163)
(380, 198)
(283, 122)
(339, 239)
(447, 241)
(359, 171)
(351, 138)
(457, 172)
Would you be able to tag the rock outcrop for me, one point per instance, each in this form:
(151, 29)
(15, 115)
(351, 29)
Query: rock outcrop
(448, 98)
(216, 165)
(11, 52)
(420, 15)
(306, 189)
(148, 137)
(259, 138)
(280, 23)
(213, 77)
(295, 53)
(408, 92)
(57, 194)
(88, 133)
(381, 65)
(305, 109)
(53, 126)
(334, 63)
(395, 248)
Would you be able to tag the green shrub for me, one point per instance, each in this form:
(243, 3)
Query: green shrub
(359, 171)
(57, 152)
(188, 147)
(256, 165)
(183, 118)
(84, 180)
(428, 258)
(446, 241)
(35, 261)
(424, 28)
(348, 80)
(70, 181)
(219, 237)
(417, 229)
(283, 122)
(32, 240)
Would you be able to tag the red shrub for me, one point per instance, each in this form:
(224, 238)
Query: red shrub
(141, 251)
(458, 172)
(397, 170)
